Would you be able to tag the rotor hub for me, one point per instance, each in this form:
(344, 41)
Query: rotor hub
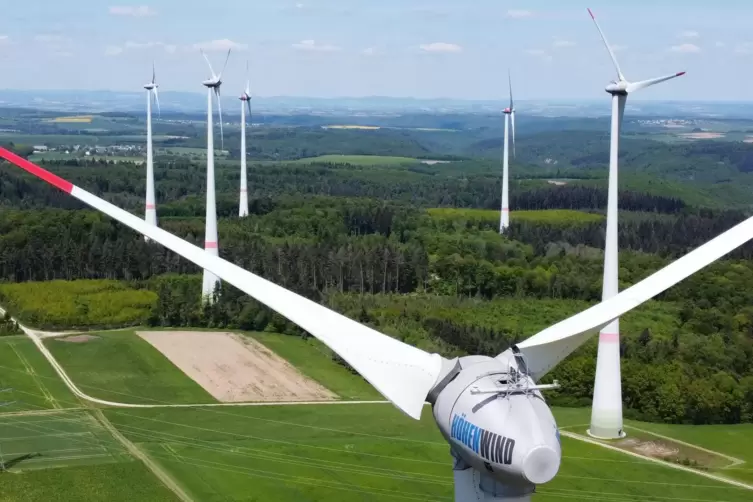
(619, 88)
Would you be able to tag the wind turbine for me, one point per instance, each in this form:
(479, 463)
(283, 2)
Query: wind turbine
(245, 102)
(150, 215)
(212, 84)
(503, 438)
(504, 218)
(606, 412)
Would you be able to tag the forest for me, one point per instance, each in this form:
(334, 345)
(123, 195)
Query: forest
(412, 250)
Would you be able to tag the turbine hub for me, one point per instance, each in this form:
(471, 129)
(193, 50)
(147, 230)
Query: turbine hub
(617, 87)
(507, 110)
(150, 86)
(212, 83)
(245, 97)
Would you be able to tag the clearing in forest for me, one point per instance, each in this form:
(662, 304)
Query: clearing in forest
(234, 368)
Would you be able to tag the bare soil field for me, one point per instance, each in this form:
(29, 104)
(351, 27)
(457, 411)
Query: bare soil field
(703, 135)
(235, 368)
(78, 338)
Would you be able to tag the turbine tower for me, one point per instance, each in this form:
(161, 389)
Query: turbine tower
(504, 218)
(606, 412)
(245, 103)
(502, 436)
(212, 84)
(150, 215)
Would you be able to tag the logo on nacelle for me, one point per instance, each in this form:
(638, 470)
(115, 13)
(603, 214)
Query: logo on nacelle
(484, 443)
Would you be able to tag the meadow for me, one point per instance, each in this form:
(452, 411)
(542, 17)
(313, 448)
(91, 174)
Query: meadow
(358, 160)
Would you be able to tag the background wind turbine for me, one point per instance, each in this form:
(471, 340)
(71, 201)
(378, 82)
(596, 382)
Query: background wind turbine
(150, 214)
(504, 218)
(606, 412)
(211, 245)
(245, 103)
(502, 436)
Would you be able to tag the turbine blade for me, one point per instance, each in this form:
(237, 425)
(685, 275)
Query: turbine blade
(208, 63)
(400, 372)
(548, 347)
(512, 119)
(219, 109)
(609, 48)
(154, 74)
(156, 99)
(248, 105)
(509, 81)
(636, 86)
(225, 65)
(248, 82)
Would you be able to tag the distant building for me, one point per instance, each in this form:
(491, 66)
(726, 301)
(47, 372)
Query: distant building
(40, 148)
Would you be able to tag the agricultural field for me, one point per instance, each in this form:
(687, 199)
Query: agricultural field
(359, 160)
(87, 304)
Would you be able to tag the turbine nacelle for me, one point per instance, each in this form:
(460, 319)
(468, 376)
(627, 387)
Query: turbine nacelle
(619, 87)
(507, 110)
(212, 83)
(496, 421)
(150, 86)
(245, 97)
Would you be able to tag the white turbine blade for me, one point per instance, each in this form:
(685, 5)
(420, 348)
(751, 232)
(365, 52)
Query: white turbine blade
(400, 372)
(512, 119)
(154, 74)
(609, 48)
(509, 82)
(248, 82)
(636, 86)
(156, 99)
(225, 65)
(219, 109)
(248, 105)
(208, 63)
(547, 348)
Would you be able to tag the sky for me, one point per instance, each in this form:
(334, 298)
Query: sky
(402, 48)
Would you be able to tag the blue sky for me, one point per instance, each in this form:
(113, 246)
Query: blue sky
(417, 48)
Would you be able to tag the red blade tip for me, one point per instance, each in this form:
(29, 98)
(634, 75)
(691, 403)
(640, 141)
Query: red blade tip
(592, 14)
(680, 74)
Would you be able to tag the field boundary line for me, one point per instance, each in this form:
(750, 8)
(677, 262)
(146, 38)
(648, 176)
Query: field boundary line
(735, 461)
(708, 475)
(31, 413)
(33, 374)
(137, 452)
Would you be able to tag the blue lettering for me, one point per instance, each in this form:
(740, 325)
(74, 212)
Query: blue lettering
(477, 440)
(453, 429)
(466, 432)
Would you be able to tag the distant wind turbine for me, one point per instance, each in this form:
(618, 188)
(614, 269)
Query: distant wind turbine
(245, 103)
(150, 215)
(504, 218)
(606, 413)
(212, 84)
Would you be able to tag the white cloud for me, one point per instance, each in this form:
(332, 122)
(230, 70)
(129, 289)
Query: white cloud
(685, 48)
(312, 46)
(689, 34)
(563, 43)
(132, 10)
(441, 47)
(113, 50)
(4, 38)
(744, 48)
(519, 13)
(220, 45)
(369, 51)
(720, 44)
(299, 5)
(539, 53)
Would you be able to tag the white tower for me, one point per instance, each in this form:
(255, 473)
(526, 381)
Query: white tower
(245, 103)
(211, 246)
(504, 217)
(606, 413)
(150, 214)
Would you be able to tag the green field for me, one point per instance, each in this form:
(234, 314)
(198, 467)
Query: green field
(370, 452)
(122, 367)
(77, 304)
(489, 216)
(359, 160)
(184, 150)
(33, 382)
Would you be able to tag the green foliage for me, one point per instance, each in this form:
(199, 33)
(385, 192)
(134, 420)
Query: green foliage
(77, 304)
(359, 160)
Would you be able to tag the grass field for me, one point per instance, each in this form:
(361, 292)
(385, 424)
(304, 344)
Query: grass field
(359, 160)
(34, 384)
(366, 452)
(181, 150)
(120, 366)
(77, 304)
(489, 216)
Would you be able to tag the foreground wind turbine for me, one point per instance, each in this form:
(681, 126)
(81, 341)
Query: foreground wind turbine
(502, 436)
(245, 102)
(504, 218)
(606, 413)
(212, 84)
(150, 215)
